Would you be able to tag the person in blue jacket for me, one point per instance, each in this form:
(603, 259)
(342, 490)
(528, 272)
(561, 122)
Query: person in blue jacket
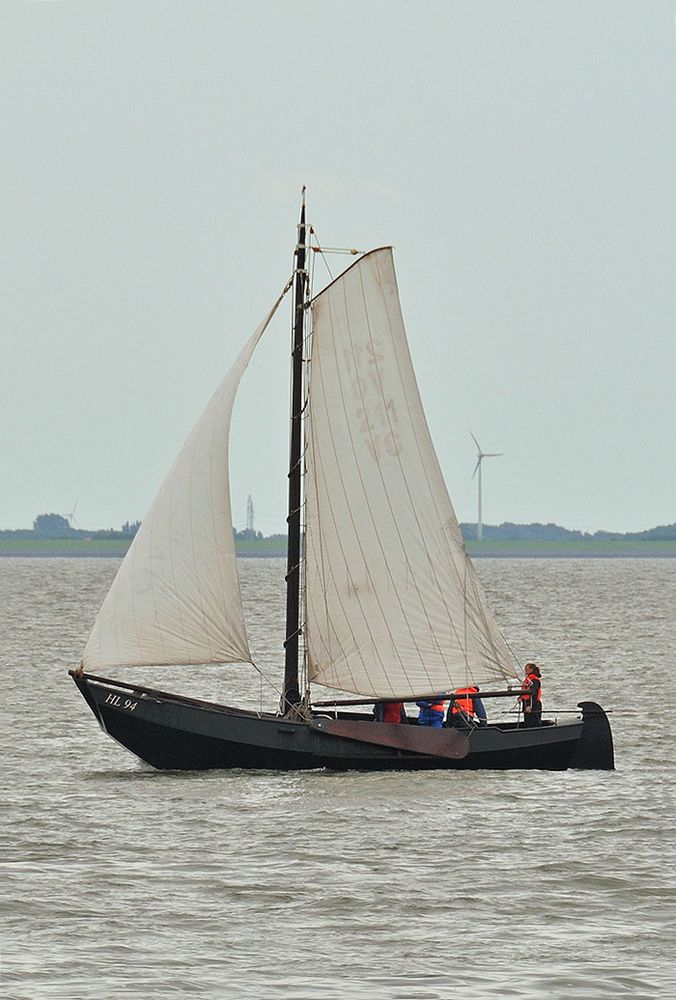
(431, 712)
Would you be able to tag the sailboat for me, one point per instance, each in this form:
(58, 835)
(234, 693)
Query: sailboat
(383, 603)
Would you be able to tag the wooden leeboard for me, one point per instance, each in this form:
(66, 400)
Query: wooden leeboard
(416, 739)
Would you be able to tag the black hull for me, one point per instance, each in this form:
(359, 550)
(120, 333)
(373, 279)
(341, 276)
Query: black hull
(172, 732)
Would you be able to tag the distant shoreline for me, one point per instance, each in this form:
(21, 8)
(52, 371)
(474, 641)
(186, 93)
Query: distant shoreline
(264, 549)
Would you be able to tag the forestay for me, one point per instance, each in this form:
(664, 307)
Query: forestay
(394, 607)
(176, 598)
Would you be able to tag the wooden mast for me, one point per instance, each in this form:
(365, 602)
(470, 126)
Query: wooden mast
(291, 694)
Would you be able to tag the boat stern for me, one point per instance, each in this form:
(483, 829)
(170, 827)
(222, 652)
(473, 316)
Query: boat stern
(594, 750)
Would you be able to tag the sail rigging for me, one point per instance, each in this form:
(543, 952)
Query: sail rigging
(394, 607)
(176, 597)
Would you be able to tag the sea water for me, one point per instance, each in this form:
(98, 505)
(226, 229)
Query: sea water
(121, 881)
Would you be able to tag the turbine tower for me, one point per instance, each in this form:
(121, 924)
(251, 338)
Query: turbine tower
(250, 517)
(477, 468)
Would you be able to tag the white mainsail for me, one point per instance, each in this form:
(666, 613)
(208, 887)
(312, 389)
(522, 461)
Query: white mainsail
(176, 597)
(394, 607)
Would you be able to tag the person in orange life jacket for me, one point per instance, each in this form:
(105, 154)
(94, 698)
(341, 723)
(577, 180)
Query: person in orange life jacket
(464, 711)
(431, 712)
(531, 698)
(389, 711)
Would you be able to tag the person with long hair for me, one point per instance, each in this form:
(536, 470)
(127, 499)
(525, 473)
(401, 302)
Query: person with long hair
(531, 696)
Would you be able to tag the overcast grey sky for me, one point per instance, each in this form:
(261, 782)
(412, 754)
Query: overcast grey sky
(520, 156)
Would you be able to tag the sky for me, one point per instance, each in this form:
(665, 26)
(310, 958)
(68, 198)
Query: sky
(519, 156)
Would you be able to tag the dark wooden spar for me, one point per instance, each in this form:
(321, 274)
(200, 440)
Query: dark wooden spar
(291, 693)
(175, 732)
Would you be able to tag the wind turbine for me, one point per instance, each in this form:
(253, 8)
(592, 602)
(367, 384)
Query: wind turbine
(477, 468)
(71, 517)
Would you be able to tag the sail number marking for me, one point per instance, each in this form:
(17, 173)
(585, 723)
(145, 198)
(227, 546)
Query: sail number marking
(117, 701)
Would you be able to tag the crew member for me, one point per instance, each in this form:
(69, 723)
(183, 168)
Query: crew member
(431, 712)
(389, 711)
(465, 711)
(531, 697)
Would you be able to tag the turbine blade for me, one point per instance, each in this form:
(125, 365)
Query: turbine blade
(478, 463)
(475, 441)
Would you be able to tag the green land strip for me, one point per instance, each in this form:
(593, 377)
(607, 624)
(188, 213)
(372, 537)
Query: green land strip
(262, 548)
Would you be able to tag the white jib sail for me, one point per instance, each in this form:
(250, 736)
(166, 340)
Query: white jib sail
(394, 607)
(176, 597)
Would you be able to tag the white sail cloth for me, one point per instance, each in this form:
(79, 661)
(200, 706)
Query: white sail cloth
(394, 608)
(176, 597)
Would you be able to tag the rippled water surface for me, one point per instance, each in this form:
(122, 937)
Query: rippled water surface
(120, 881)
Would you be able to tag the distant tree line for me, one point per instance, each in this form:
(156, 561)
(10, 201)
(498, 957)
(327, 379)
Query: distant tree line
(554, 533)
(58, 526)
(246, 535)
